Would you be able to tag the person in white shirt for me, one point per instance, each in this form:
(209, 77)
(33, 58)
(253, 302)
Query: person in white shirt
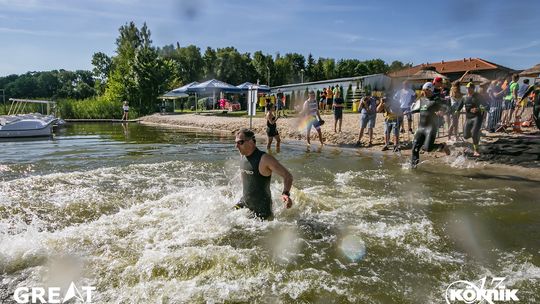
(406, 96)
(125, 107)
(310, 112)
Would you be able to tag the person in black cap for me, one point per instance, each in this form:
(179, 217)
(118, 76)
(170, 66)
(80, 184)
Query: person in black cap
(430, 108)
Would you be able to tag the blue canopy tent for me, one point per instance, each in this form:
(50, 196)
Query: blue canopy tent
(261, 88)
(181, 91)
(177, 93)
(213, 86)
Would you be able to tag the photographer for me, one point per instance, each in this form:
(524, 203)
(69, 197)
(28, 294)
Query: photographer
(368, 115)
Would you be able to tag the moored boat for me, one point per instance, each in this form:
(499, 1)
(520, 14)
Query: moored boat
(26, 125)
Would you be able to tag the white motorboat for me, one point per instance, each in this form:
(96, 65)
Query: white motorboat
(26, 125)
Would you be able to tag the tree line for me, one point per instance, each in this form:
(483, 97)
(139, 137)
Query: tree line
(140, 72)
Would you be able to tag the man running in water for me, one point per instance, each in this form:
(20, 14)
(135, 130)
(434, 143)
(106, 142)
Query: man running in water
(310, 111)
(256, 170)
(475, 108)
(429, 107)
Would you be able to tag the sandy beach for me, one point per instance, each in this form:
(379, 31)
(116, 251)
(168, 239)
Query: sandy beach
(289, 127)
(522, 147)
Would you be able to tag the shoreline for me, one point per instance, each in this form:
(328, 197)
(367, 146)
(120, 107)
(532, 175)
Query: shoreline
(289, 132)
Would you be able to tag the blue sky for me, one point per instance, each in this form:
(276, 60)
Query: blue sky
(39, 35)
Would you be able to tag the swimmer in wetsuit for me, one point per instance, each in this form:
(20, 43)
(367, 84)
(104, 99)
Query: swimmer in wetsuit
(430, 107)
(256, 171)
(474, 114)
(271, 129)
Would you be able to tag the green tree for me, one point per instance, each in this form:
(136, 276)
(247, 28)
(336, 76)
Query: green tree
(397, 65)
(376, 66)
(121, 83)
(152, 77)
(310, 69)
(261, 64)
(188, 63)
(102, 67)
(139, 75)
(329, 68)
(209, 60)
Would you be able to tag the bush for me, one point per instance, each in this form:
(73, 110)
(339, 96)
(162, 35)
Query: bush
(93, 108)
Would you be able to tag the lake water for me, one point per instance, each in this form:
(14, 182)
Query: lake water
(144, 215)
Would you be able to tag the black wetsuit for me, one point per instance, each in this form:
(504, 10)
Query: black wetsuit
(271, 129)
(427, 127)
(256, 187)
(473, 121)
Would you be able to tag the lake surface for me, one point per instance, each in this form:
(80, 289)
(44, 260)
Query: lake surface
(144, 214)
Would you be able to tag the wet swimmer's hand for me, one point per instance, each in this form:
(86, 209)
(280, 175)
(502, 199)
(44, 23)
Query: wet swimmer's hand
(286, 197)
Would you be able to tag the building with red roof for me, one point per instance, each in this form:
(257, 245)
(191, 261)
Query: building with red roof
(456, 68)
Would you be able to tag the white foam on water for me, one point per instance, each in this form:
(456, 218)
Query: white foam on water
(481, 197)
(461, 162)
(25, 249)
(168, 233)
(5, 168)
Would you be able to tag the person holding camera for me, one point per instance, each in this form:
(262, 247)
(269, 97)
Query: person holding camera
(368, 115)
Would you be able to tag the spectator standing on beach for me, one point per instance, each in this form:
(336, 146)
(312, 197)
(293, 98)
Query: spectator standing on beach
(368, 115)
(271, 129)
(510, 101)
(311, 115)
(438, 88)
(322, 101)
(329, 98)
(522, 101)
(456, 104)
(405, 96)
(495, 92)
(475, 108)
(280, 103)
(430, 108)
(337, 108)
(391, 110)
(336, 90)
(125, 109)
(267, 103)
